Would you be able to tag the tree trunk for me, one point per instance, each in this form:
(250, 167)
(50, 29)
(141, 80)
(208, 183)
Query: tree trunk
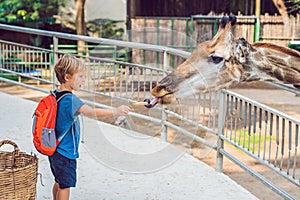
(80, 24)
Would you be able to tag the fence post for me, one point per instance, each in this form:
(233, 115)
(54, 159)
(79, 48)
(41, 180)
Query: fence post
(257, 30)
(191, 34)
(55, 58)
(220, 143)
(164, 117)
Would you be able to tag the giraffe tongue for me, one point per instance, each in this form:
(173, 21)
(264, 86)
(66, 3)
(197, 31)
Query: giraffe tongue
(154, 101)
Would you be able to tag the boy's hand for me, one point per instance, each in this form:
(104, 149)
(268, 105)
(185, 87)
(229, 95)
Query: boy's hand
(122, 110)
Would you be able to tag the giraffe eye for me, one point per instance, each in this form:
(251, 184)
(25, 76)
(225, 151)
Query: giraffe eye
(215, 59)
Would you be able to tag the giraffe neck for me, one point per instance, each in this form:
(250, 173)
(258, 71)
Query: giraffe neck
(268, 62)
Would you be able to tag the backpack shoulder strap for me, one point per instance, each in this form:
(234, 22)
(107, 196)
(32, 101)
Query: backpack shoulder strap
(65, 133)
(59, 95)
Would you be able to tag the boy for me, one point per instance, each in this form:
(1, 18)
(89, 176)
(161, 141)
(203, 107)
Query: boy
(69, 71)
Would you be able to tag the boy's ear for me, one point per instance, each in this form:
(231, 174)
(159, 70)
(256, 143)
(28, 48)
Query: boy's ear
(67, 77)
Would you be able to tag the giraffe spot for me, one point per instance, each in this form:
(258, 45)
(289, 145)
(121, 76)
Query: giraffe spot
(279, 74)
(258, 57)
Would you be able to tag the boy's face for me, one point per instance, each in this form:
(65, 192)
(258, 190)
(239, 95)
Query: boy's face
(77, 80)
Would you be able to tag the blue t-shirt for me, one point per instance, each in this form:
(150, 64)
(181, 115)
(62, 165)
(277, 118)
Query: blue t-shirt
(67, 120)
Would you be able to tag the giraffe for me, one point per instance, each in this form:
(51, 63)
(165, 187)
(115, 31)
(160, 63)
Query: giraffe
(225, 61)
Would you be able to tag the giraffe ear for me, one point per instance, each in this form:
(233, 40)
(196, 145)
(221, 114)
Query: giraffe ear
(224, 35)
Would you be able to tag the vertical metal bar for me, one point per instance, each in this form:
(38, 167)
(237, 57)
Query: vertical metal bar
(94, 75)
(35, 56)
(55, 59)
(226, 115)
(215, 27)
(204, 108)
(220, 143)
(41, 62)
(47, 66)
(127, 69)
(254, 128)
(215, 110)
(277, 140)
(115, 74)
(265, 133)
(164, 135)
(121, 80)
(296, 147)
(5, 56)
(104, 77)
(172, 42)
(185, 108)
(282, 142)
(249, 126)
(240, 119)
(236, 119)
(88, 74)
(193, 110)
(151, 78)
(257, 30)
(99, 73)
(191, 33)
(271, 134)
(18, 62)
(199, 107)
(145, 41)
(257, 23)
(290, 148)
(245, 123)
(138, 84)
(157, 40)
(9, 55)
(209, 111)
(12, 64)
(231, 116)
(144, 82)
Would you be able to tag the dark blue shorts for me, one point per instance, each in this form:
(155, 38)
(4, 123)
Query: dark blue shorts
(63, 170)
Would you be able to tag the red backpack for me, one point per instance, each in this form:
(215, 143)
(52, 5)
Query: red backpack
(43, 128)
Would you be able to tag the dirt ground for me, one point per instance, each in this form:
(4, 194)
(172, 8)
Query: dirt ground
(278, 99)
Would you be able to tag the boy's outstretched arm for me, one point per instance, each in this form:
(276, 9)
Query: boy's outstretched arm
(99, 112)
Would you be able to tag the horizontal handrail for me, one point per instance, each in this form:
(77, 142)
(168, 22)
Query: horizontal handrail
(121, 43)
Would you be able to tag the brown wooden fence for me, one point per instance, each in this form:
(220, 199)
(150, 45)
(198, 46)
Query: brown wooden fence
(279, 31)
(186, 33)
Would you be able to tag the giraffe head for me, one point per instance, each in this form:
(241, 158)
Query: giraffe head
(225, 61)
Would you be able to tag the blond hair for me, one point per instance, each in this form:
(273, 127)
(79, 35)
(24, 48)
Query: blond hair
(67, 64)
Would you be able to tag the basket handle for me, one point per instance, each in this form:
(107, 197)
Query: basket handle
(16, 148)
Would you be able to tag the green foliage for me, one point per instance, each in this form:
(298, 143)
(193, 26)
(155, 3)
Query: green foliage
(109, 29)
(293, 6)
(11, 10)
(251, 141)
(105, 28)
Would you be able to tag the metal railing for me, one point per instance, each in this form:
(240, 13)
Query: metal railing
(262, 133)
